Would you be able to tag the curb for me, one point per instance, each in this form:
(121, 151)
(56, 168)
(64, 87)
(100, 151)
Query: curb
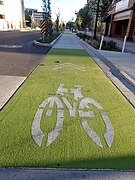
(128, 77)
(118, 82)
(47, 44)
(64, 174)
(65, 169)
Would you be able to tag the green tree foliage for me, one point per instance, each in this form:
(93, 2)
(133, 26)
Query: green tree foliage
(46, 7)
(47, 16)
(95, 8)
(70, 24)
(57, 20)
(102, 7)
(57, 23)
(83, 17)
(27, 18)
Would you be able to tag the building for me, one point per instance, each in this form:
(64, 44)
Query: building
(35, 16)
(29, 19)
(38, 16)
(23, 14)
(30, 11)
(11, 14)
(2, 15)
(121, 19)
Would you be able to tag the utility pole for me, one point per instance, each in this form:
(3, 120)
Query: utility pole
(97, 13)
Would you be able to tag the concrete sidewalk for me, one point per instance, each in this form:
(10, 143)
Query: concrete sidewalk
(115, 70)
(68, 42)
(8, 86)
(123, 61)
(129, 47)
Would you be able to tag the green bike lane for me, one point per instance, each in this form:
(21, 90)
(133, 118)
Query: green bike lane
(68, 114)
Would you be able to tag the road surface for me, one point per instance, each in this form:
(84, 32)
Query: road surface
(18, 55)
(18, 58)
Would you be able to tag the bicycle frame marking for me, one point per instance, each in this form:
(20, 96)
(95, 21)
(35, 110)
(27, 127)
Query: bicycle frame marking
(37, 133)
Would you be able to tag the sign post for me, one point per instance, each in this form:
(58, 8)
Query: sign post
(43, 28)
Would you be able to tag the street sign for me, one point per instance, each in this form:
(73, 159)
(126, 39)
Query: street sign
(43, 26)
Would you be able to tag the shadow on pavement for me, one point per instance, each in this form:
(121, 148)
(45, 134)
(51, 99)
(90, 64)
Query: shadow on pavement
(121, 162)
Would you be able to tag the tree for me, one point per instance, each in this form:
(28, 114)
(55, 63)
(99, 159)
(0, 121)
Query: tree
(70, 25)
(57, 20)
(99, 9)
(97, 13)
(47, 16)
(46, 8)
(27, 18)
(63, 26)
(104, 8)
(83, 17)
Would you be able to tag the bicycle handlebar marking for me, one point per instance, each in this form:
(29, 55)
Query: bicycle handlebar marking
(37, 133)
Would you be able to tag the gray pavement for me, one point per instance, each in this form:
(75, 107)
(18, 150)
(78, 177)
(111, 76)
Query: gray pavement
(123, 81)
(18, 57)
(121, 66)
(63, 174)
(123, 61)
(70, 41)
(129, 47)
(8, 86)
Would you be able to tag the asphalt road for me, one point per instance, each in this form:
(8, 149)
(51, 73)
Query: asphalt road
(18, 55)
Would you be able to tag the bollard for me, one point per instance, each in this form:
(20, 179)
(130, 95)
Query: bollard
(124, 43)
(102, 38)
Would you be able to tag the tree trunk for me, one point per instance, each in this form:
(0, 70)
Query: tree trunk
(97, 12)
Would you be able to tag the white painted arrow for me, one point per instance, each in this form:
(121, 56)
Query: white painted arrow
(60, 66)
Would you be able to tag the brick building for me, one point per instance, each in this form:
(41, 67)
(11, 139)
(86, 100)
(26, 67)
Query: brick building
(121, 19)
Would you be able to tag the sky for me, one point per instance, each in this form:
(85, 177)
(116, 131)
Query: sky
(67, 8)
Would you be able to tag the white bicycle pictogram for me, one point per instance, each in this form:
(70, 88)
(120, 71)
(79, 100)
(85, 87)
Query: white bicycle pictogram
(85, 103)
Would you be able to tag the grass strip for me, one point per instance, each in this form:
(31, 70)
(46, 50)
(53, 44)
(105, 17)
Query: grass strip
(72, 148)
(49, 39)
